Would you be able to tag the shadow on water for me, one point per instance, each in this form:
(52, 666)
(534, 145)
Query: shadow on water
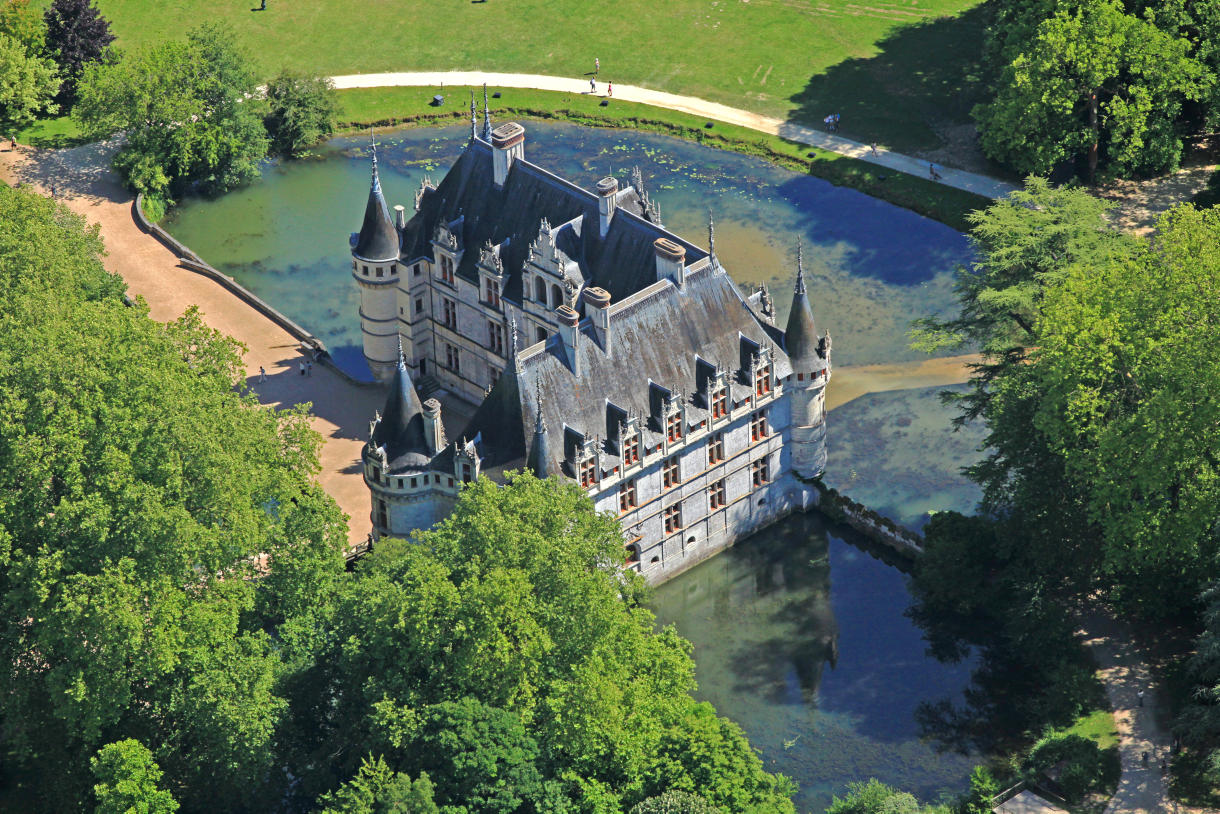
(920, 84)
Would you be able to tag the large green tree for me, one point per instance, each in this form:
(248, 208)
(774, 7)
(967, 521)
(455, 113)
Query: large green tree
(28, 84)
(140, 496)
(516, 600)
(188, 110)
(128, 781)
(77, 34)
(300, 111)
(1092, 81)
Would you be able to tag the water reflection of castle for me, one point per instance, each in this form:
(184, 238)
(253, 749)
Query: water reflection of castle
(644, 375)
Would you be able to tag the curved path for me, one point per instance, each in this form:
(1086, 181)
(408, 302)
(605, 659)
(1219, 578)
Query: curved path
(960, 179)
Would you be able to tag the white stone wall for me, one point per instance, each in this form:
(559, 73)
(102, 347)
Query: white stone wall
(378, 285)
(414, 500)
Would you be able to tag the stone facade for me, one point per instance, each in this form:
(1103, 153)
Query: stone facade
(602, 348)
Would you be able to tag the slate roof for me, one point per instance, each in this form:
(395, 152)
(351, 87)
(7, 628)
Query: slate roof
(401, 428)
(622, 263)
(801, 336)
(378, 237)
(657, 339)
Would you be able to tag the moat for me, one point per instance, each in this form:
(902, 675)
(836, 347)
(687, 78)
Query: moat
(799, 636)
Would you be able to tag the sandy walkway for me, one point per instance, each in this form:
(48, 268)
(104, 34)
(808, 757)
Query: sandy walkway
(85, 184)
(960, 179)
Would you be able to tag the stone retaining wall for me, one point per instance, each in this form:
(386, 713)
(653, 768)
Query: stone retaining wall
(876, 527)
(193, 262)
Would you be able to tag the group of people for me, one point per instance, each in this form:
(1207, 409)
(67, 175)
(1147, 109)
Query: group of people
(597, 69)
(831, 122)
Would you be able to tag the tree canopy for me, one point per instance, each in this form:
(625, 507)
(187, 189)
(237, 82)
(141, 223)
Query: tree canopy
(188, 110)
(77, 34)
(300, 111)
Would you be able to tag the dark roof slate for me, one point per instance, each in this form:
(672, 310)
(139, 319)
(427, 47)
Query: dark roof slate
(378, 237)
(401, 428)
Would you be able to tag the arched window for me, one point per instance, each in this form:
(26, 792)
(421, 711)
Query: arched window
(556, 296)
(540, 290)
(542, 334)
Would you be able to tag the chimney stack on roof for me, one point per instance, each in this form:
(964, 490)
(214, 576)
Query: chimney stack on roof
(569, 332)
(400, 216)
(607, 199)
(508, 144)
(434, 430)
(597, 306)
(671, 261)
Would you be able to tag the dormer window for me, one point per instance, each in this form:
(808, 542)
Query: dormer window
(720, 402)
(673, 426)
(493, 293)
(762, 379)
(631, 449)
(588, 472)
(540, 290)
(447, 269)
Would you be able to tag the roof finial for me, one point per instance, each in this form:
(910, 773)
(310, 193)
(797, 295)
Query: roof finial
(800, 269)
(539, 423)
(402, 359)
(512, 338)
(373, 143)
(711, 234)
(473, 116)
(486, 115)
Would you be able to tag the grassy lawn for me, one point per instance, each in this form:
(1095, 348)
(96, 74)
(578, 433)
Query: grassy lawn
(410, 106)
(897, 70)
(1097, 726)
(57, 132)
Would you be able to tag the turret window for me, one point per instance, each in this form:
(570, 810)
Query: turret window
(380, 272)
(670, 475)
(762, 380)
(588, 472)
(447, 269)
(626, 496)
(720, 402)
(758, 426)
(383, 514)
(673, 427)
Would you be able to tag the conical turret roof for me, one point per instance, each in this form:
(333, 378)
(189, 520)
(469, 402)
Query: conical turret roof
(401, 428)
(378, 238)
(801, 335)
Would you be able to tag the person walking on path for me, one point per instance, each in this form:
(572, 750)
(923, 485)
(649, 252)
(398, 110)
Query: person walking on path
(302, 367)
(308, 368)
(609, 88)
(262, 374)
(873, 147)
(592, 86)
(597, 65)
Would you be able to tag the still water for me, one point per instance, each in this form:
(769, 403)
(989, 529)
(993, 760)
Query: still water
(799, 636)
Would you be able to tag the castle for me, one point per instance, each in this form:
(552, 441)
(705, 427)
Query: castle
(604, 350)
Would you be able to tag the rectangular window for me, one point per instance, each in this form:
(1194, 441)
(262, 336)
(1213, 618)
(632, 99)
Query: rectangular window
(588, 472)
(417, 269)
(673, 426)
(376, 474)
(450, 313)
(452, 359)
(383, 514)
(493, 293)
(715, 495)
(762, 380)
(466, 476)
(626, 495)
(758, 473)
(413, 483)
(495, 337)
(631, 450)
(633, 554)
(419, 305)
(758, 426)
(673, 519)
(493, 374)
(446, 269)
(380, 272)
(715, 449)
(669, 472)
(720, 403)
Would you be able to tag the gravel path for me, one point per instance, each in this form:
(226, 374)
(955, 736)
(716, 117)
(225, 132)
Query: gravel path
(960, 179)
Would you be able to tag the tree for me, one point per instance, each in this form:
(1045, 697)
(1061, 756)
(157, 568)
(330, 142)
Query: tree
(377, 789)
(22, 22)
(516, 601)
(77, 34)
(187, 110)
(1094, 81)
(128, 779)
(674, 802)
(301, 111)
(873, 797)
(140, 494)
(27, 84)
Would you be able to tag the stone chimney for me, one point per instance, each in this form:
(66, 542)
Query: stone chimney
(597, 306)
(434, 431)
(508, 144)
(607, 198)
(400, 217)
(671, 261)
(569, 332)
